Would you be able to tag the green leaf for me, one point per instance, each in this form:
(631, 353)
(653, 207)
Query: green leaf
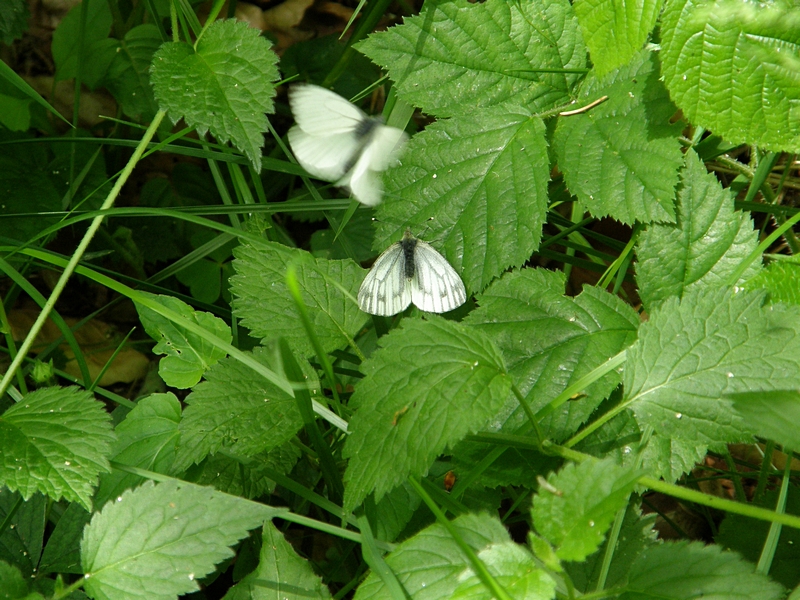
(14, 585)
(430, 384)
(128, 77)
(22, 537)
(771, 414)
(732, 67)
(98, 49)
(329, 287)
(550, 340)
(685, 571)
(146, 439)
(780, 280)
(615, 30)
(281, 573)
(514, 568)
(224, 85)
(428, 564)
(636, 536)
(576, 516)
(156, 541)
(477, 185)
(14, 15)
(621, 158)
(703, 248)
(712, 343)
(747, 536)
(237, 409)
(188, 356)
(55, 441)
(63, 551)
(457, 56)
(394, 511)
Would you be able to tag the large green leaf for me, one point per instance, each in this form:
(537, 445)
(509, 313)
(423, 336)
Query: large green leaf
(431, 384)
(703, 248)
(156, 541)
(328, 287)
(457, 56)
(621, 158)
(97, 50)
(55, 441)
(771, 414)
(780, 280)
(732, 66)
(476, 185)
(224, 85)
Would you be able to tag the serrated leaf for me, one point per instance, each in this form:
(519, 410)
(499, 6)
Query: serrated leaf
(513, 567)
(771, 414)
(97, 49)
(476, 185)
(281, 574)
(685, 571)
(428, 564)
(188, 355)
(550, 340)
(780, 280)
(55, 441)
(14, 15)
(235, 408)
(615, 30)
(635, 536)
(156, 541)
(577, 515)
(457, 56)
(146, 439)
(705, 246)
(732, 67)
(329, 287)
(430, 384)
(712, 343)
(224, 85)
(23, 535)
(518, 467)
(128, 77)
(63, 551)
(621, 158)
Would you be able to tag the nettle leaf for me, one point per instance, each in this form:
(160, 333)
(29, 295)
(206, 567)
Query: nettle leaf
(237, 409)
(263, 303)
(188, 355)
(128, 77)
(223, 85)
(514, 568)
(684, 570)
(281, 573)
(615, 30)
(156, 541)
(428, 564)
(621, 158)
(146, 439)
(476, 185)
(457, 56)
(550, 340)
(705, 246)
(431, 384)
(771, 414)
(588, 495)
(780, 280)
(713, 342)
(55, 441)
(732, 67)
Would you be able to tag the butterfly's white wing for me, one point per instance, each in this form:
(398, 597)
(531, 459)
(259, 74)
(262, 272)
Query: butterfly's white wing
(381, 150)
(435, 287)
(324, 157)
(385, 290)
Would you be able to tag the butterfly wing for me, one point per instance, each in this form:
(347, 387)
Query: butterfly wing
(436, 287)
(382, 150)
(385, 290)
(324, 138)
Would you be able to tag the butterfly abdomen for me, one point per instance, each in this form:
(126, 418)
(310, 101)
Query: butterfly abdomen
(408, 244)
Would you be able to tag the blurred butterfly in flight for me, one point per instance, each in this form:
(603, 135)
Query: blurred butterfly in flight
(411, 271)
(335, 141)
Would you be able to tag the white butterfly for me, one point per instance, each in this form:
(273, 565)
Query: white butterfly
(410, 271)
(334, 140)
